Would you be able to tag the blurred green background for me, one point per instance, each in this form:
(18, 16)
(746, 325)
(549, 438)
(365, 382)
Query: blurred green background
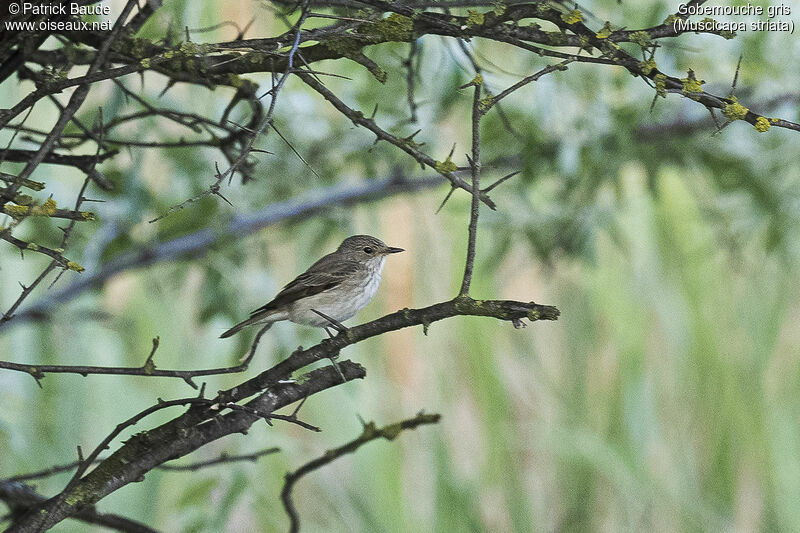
(665, 398)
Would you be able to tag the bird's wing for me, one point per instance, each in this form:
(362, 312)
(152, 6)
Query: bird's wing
(321, 276)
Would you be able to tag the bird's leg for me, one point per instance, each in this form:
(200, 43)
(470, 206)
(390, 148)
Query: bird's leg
(333, 358)
(332, 322)
(337, 326)
(336, 366)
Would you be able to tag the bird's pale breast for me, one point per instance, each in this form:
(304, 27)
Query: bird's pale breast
(342, 301)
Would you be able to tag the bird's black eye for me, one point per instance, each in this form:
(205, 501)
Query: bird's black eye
(368, 250)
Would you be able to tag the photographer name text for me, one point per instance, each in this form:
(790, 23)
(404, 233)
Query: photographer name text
(73, 9)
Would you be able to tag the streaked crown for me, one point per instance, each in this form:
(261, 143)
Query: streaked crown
(365, 247)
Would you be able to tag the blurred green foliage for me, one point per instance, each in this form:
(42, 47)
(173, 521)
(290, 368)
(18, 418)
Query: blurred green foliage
(666, 398)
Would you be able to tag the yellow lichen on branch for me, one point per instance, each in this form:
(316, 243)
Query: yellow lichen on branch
(16, 211)
(443, 167)
(762, 124)
(72, 265)
(48, 208)
(734, 110)
(572, 17)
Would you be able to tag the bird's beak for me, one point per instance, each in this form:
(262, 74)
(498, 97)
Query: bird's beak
(393, 250)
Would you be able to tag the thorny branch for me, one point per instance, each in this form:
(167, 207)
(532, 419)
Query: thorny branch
(208, 65)
(406, 144)
(47, 145)
(265, 393)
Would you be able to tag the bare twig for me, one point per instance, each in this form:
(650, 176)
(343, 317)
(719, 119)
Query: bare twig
(475, 167)
(148, 369)
(77, 161)
(408, 63)
(404, 144)
(494, 100)
(268, 417)
(370, 433)
(224, 458)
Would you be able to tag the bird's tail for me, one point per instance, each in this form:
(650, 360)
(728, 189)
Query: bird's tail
(255, 319)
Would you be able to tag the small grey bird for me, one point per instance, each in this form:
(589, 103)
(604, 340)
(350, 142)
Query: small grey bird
(337, 286)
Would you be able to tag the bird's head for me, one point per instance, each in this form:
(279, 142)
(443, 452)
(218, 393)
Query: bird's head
(365, 247)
